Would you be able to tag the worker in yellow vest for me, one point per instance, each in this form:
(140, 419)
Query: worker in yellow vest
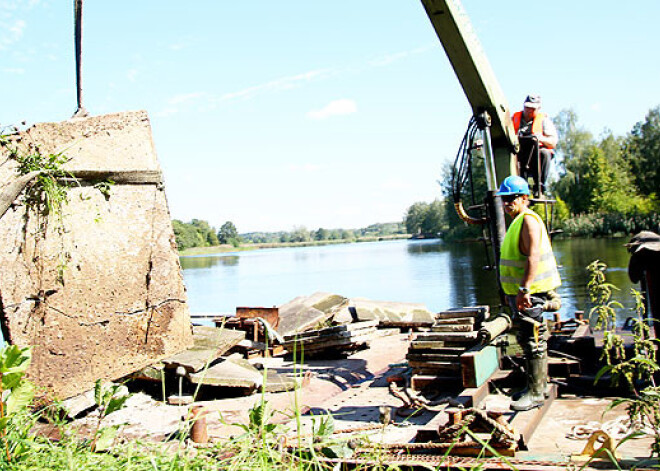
(528, 276)
(535, 130)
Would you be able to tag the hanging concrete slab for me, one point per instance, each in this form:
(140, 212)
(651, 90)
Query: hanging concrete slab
(100, 295)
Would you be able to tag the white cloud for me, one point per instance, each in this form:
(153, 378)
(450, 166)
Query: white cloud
(14, 70)
(391, 58)
(340, 107)
(175, 102)
(12, 31)
(131, 74)
(284, 83)
(166, 112)
(185, 98)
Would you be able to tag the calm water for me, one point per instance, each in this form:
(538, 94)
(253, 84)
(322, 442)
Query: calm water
(439, 275)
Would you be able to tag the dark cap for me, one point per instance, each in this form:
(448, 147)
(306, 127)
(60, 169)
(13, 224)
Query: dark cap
(533, 101)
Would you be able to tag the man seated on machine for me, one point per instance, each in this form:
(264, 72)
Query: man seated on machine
(538, 138)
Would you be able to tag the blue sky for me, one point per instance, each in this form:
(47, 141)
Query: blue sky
(317, 114)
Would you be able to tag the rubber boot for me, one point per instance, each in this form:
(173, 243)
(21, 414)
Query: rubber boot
(537, 380)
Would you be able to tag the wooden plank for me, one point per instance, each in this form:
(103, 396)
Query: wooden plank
(432, 357)
(352, 327)
(438, 345)
(478, 364)
(453, 328)
(330, 337)
(478, 312)
(332, 342)
(435, 365)
(446, 336)
(454, 320)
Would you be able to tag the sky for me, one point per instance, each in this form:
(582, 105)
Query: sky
(276, 115)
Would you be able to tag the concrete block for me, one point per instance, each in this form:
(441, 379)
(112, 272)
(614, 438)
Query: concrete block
(308, 312)
(102, 296)
(390, 311)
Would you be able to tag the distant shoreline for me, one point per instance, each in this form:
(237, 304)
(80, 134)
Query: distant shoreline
(275, 245)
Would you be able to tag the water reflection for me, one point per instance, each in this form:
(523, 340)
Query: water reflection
(426, 246)
(191, 263)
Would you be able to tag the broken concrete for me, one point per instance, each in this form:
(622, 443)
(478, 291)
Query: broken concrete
(309, 312)
(390, 312)
(231, 373)
(102, 295)
(210, 343)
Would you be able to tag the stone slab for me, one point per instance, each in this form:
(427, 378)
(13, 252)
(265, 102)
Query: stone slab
(391, 311)
(477, 312)
(103, 296)
(308, 312)
(210, 343)
(232, 373)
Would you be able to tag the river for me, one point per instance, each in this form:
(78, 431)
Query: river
(432, 272)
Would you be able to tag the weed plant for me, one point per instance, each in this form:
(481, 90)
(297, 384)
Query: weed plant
(636, 370)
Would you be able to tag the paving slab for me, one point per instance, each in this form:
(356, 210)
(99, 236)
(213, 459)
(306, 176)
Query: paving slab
(308, 312)
(231, 373)
(210, 343)
(391, 311)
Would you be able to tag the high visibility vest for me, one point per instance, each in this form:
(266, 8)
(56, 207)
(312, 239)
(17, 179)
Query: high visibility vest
(512, 261)
(537, 124)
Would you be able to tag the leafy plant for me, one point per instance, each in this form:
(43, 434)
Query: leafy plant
(644, 406)
(108, 401)
(15, 395)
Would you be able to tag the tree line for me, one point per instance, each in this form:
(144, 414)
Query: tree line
(199, 233)
(607, 185)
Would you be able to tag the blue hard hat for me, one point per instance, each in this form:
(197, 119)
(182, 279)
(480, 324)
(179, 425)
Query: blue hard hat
(513, 185)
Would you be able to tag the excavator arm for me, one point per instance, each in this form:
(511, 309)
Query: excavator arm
(477, 79)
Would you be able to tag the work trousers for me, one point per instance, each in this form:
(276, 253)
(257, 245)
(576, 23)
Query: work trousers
(525, 323)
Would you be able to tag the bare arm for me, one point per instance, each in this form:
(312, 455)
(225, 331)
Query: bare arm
(549, 136)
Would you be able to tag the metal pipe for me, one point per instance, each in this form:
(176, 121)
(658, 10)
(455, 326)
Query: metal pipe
(78, 8)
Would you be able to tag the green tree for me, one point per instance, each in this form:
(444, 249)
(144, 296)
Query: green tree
(434, 221)
(347, 234)
(300, 234)
(574, 146)
(206, 232)
(227, 233)
(642, 149)
(414, 217)
(321, 234)
(186, 235)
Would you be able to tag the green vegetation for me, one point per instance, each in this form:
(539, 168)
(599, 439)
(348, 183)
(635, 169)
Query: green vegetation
(198, 236)
(606, 186)
(263, 445)
(638, 367)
